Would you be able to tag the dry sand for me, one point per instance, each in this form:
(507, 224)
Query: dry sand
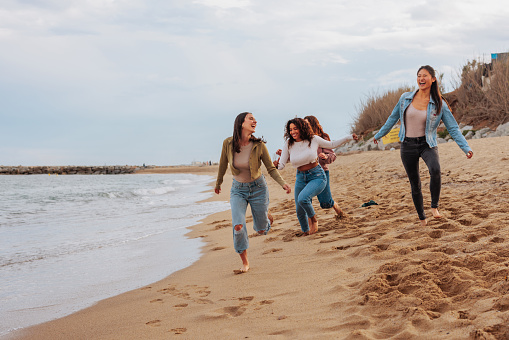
(376, 274)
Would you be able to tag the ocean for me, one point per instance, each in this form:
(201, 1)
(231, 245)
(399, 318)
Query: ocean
(67, 242)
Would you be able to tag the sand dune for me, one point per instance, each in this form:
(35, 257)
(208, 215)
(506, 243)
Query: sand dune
(375, 274)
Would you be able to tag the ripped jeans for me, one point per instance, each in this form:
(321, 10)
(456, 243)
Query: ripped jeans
(256, 194)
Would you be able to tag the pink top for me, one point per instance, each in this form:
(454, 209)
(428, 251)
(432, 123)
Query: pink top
(415, 122)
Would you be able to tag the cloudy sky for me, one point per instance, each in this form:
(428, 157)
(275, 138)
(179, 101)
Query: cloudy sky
(94, 82)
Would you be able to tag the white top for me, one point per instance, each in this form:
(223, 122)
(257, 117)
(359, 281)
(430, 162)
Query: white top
(301, 153)
(415, 122)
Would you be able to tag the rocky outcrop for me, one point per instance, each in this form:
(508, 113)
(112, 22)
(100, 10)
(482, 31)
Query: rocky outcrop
(68, 170)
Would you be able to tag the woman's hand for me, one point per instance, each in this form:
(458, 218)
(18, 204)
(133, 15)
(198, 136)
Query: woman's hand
(355, 137)
(287, 188)
(276, 163)
(470, 154)
(278, 152)
(375, 141)
(323, 155)
(217, 190)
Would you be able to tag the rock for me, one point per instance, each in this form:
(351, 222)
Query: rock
(469, 134)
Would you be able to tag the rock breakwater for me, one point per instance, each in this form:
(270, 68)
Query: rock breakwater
(68, 170)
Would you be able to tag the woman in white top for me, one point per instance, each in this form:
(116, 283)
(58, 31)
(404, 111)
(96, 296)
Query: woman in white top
(301, 148)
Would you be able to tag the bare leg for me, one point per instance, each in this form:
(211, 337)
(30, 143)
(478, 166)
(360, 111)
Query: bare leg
(313, 225)
(245, 262)
(243, 256)
(339, 212)
(271, 220)
(436, 213)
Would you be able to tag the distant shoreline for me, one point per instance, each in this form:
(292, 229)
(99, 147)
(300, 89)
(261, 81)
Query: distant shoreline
(103, 170)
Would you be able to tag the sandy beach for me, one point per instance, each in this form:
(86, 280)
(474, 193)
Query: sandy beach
(376, 274)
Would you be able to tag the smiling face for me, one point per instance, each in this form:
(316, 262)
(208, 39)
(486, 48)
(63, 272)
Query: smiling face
(425, 79)
(249, 124)
(295, 132)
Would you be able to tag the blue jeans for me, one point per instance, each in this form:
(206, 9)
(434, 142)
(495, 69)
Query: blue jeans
(325, 197)
(411, 150)
(256, 193)
(308, 184)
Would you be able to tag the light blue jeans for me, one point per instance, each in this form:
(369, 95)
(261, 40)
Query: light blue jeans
(256, 194)
(308, 184)
(325, 197)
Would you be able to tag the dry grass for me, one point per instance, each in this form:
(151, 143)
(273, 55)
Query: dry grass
(374, 111)
(488, 104)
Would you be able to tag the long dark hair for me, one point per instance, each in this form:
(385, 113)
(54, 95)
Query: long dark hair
(306, 133)
(435, 91)
(317, 128)
(237, 132)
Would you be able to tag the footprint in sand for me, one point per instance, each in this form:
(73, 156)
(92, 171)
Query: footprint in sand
(266, 302)
(156, 300)
(153, 323)
(178, 330)
(181, 305)
(436, 234)
(270, 239)
(246, 298)
(273, 250)
(221, 226)
(218, 248)
(234, 310)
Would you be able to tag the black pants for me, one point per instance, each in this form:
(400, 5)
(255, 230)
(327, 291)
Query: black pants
(411, 150)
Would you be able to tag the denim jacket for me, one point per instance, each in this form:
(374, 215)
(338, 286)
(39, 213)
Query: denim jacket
(432, 121)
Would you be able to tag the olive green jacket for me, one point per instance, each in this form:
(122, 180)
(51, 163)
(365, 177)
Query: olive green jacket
(259, 154)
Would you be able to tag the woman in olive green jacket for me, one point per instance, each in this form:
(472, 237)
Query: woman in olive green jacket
(245, 154)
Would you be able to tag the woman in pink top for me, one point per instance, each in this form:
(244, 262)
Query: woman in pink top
(325, 156)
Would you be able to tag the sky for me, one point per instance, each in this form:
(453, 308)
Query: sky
(160, 82)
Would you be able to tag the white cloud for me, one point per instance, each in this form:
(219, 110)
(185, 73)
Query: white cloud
(167, 61)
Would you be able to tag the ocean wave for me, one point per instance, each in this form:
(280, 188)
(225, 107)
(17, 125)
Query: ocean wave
(154, 191)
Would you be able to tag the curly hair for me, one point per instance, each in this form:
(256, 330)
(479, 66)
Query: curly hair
(306, 133)
(317, 128)
(237, 132)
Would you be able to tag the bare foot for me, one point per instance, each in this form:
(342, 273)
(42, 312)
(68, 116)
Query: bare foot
(313, 225)
(245, 264)
(271, 219)
(242, 270)
(435, 213)
(424, 223)
(339, 213)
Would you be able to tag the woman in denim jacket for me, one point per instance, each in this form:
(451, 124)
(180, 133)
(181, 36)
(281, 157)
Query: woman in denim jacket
(420, 113)
(245, 153)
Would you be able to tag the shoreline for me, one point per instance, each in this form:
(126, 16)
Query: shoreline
(376, 274)
(205, 187)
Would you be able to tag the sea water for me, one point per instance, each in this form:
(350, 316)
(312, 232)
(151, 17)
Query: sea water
(67, 242)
